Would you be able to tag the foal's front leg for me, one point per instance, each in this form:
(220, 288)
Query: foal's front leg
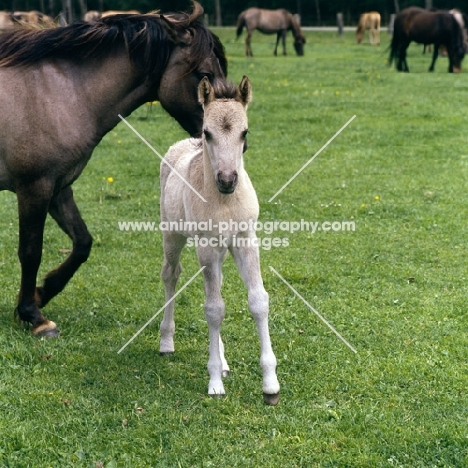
(212, 260)
(173, 244)
(248, 262)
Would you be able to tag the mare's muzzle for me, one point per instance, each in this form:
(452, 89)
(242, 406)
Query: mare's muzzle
(226, 181)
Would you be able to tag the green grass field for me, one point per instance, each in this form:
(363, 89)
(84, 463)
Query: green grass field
(395, 288)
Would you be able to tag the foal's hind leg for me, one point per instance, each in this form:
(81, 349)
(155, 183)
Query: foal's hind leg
(173, 244)
(248, 262)
(65, 212)
(33, 202)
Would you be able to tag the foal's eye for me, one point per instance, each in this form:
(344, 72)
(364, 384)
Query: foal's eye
(208, 135)
(244, 134)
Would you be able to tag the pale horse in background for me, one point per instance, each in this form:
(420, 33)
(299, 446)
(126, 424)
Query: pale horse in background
(370, 21)
(214, 168)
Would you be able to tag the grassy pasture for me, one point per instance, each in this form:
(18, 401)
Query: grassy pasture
(395, 288)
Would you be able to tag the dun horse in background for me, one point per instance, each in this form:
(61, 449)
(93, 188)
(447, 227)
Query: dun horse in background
(370, 21)
(223, 194)
(427, 27)
(26, 19)
(93, 15)
(62, 90)
(277, 22)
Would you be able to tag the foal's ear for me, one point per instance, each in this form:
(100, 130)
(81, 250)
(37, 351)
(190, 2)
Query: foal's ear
(205, 92)
(244, 91)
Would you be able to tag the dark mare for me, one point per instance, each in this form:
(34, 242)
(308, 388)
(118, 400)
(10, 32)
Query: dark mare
(427, 27)
(270, 22)
(62, 90)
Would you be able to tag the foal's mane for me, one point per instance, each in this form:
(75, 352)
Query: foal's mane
(143, 36)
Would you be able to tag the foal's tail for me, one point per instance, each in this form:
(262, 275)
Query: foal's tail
(240, 25)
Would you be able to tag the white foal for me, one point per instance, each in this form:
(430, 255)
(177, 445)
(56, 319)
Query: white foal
(214, 167)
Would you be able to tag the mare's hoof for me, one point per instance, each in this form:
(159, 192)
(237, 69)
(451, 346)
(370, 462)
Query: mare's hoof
(271, 399)
(46, 330)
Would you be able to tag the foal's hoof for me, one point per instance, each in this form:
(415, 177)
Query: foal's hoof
(46, 330)
(166, 353)
(271, 399)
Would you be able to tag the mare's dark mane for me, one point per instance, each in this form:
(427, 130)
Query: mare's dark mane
(143, 36)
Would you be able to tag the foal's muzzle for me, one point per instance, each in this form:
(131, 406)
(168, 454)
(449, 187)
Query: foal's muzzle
(227, 181)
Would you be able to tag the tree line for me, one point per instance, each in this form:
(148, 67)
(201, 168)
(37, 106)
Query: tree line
(225, 12)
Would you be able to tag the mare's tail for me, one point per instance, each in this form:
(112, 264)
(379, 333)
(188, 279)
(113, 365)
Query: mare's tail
(240, 25)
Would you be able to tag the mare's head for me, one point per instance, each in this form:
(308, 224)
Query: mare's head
(299, 42)
(198, 53)
(458, 46)
(299, 38)
(225, 130)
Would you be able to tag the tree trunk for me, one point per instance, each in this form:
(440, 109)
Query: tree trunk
(83, 7)
(317, 10)
(218, 12)
(429, 4)
(397, 6)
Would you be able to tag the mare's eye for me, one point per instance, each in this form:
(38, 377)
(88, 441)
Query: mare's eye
(208, 135)
(209, 75)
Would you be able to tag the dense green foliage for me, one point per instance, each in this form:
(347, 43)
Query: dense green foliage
(396, 288)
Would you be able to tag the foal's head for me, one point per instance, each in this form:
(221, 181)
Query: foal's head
(225, 129)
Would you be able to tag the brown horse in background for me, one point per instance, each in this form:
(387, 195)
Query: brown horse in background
(270, 22)
(62, 90)
(427, 27)
(370, 21)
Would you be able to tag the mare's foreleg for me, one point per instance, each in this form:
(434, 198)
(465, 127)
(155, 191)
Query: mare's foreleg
(248, 263)
(278, 37)
(283, 39)
(214, 312)
(248, 48)
(435, 54)
(173, 244)
(65, 212)
(402, 64)
(33, 203)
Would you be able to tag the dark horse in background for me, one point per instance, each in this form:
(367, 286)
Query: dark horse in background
(277, 22)
(62, 90)
(427, 27)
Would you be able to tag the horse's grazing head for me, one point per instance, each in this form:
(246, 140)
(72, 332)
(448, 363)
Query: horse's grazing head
(225, 130)
(458, 45)
(299, 42)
